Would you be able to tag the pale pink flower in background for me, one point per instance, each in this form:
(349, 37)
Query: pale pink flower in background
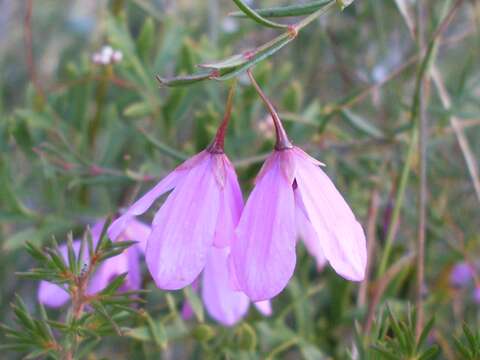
(292, 197)
(476, 295)
(223, 303)
(53, 295)
(461, 274)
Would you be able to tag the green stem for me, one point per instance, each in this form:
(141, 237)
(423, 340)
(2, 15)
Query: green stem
(399, 198)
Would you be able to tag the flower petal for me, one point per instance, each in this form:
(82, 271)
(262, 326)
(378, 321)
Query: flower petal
(137, 231)
(142, 204)
(342, 237)
(187, 310)
(222, 302)
(265, 307)
(184, 228)
(264, 251)
(110, 269)
(52, 295)
(231, 205)
(307, 233)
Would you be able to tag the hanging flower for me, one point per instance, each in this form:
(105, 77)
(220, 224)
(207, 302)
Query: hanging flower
(224, 303)
(53, 295)
(199, 214)
(293, 196)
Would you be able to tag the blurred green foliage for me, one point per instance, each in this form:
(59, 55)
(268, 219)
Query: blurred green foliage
(78, 140)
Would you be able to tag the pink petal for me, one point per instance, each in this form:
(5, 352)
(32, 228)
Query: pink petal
(107, 271)
(184, 228)
(222, 302)
(231, 272)
(52, 295)
(299, 152)
(137, 231)
(96, 231)
(307, 233)
(144, 203)
(187, 310)
(264, 251)
(265, 307)
(342, 237)
(231, 205)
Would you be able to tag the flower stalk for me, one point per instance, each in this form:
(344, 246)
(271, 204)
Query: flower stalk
(218, 144)
(282, 141)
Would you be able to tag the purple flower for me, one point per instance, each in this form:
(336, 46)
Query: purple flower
(53, 295)
(292, 197)
(461, 274)
(224, 303)
(476, 295)
(199, 214)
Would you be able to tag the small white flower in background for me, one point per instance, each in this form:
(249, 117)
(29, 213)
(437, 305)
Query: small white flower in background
(229, 25)
(107, 56)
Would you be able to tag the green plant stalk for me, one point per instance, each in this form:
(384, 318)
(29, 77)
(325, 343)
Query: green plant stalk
(400, 195)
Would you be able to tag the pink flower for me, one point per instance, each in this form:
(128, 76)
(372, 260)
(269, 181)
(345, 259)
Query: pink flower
(462, 273)
(293, 196)
(53, 295)
(224, 303)
(476, 295)
(199, 214)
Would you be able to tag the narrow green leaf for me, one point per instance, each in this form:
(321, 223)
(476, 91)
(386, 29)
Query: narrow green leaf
(44, 323)
(362, 124)
(425, 332)
(88, 236)
(103, 239)
(37, 354)
(185, 79)
(386, 354)
(228, 63)
(163, 148)
(35, 252)
(430, 353)
(100, 309)
(81, 255)
(114, 285)
(462, 349)
(138, 109)
(260, 54)
(471, 338)
(287, 11)
(195, 302)
(157, 331)
(72, 261)
(252, 14)
(146, 38)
